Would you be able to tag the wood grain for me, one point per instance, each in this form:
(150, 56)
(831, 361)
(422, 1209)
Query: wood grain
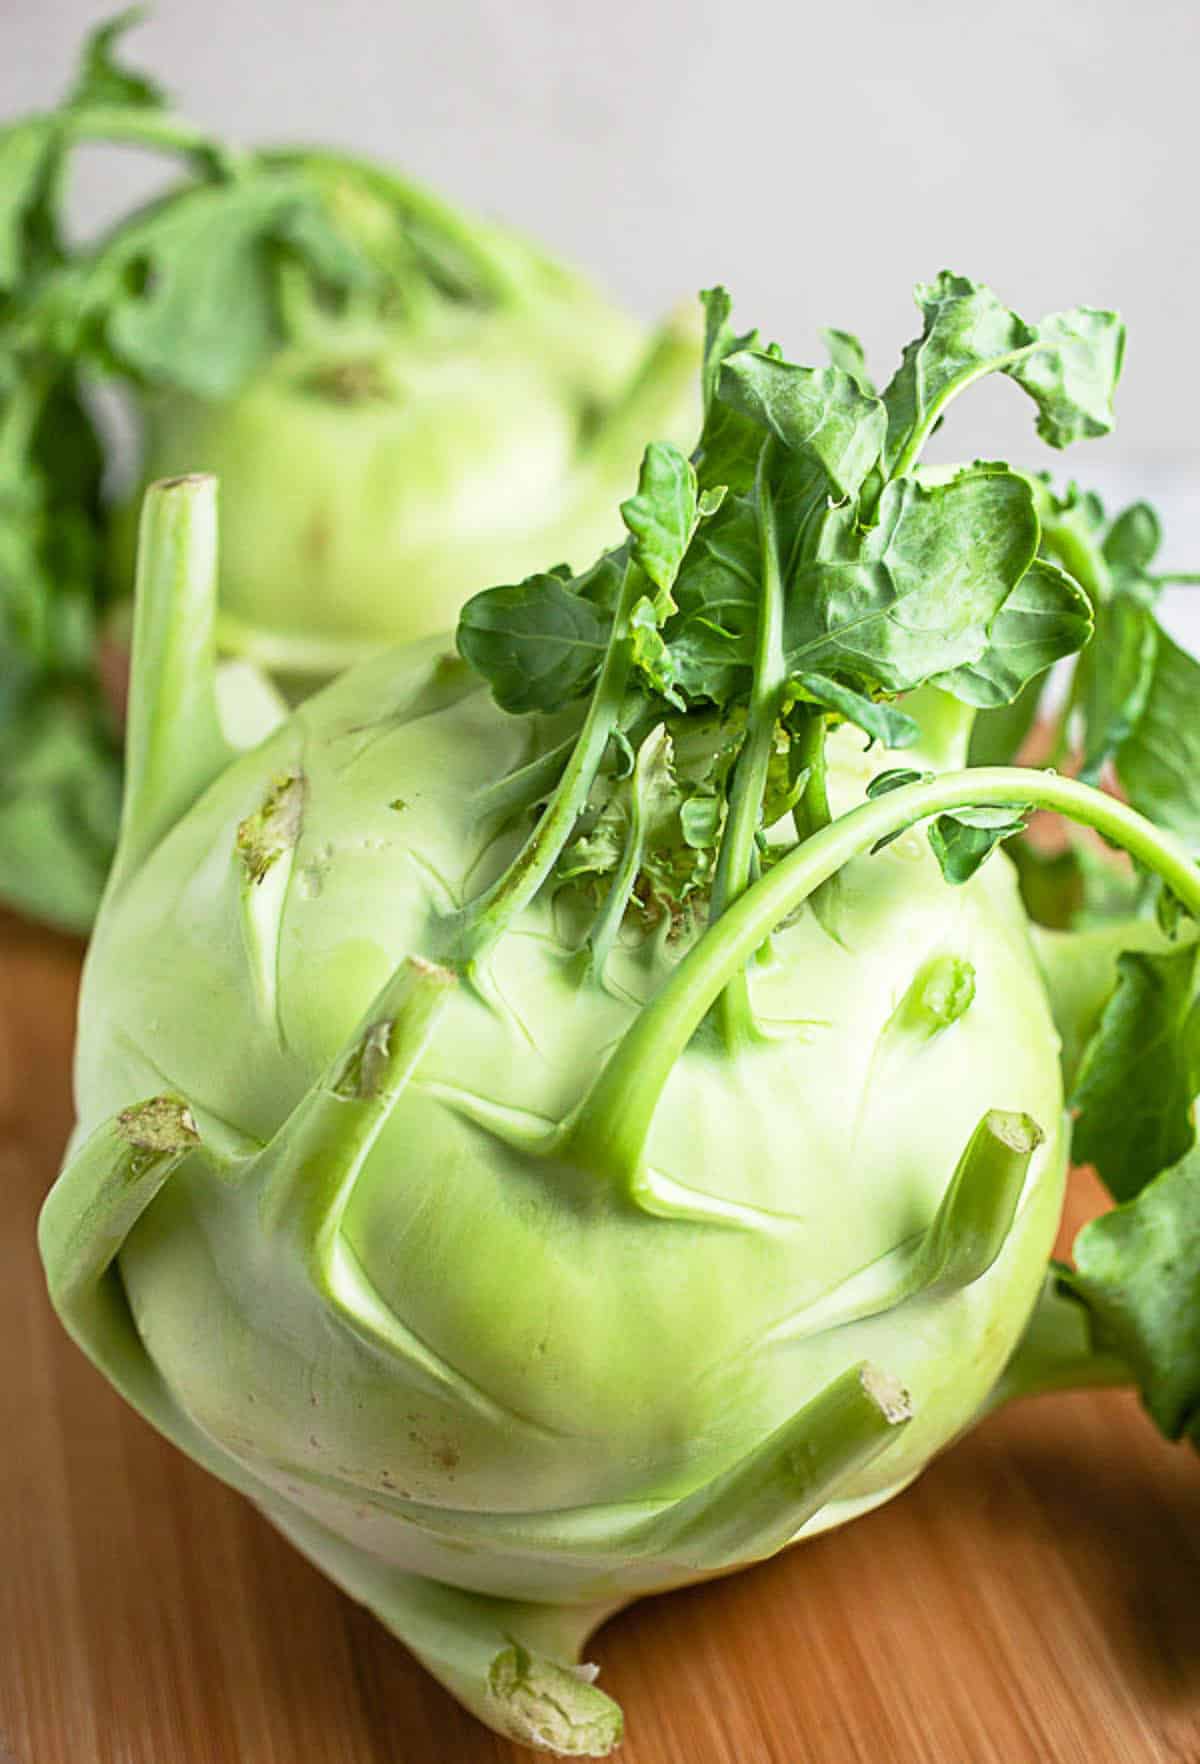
(1036, 1596)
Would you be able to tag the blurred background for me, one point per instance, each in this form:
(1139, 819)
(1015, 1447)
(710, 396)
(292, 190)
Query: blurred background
(817, 160)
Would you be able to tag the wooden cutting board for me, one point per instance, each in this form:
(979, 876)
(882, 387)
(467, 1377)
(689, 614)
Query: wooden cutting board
(1035, 1597)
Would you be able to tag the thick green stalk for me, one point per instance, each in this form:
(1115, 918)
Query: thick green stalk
(311, 1165)
(736, 858)
(126, 127)
(609, 1132)
(489, 917)
(174, 745)
(499, 260)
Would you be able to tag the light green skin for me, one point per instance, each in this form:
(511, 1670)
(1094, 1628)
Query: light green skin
(481, 457)
(553, 1347)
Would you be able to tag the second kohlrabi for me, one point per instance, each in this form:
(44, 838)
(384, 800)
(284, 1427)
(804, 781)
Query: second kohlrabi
(403, 402)
(552, 1125)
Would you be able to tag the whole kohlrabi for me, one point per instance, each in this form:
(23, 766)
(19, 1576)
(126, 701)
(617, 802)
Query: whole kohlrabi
(550, 1144)
(404, 404)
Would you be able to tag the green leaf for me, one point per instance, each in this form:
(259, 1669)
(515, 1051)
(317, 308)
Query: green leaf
(966, 332)
(1137, 1269)
(536, 643)
(1069, 365)
(847, 353)
(1158, 762)
(720, 339)
(915, 595)
(998, 735)
(895, 779)
(651, 656)
(662, 517)
(729, 442)
(30, 169)
(817, 412)
(1140, 1072)
(712, 635)
(102, 80)
(1133, 540)
(1073, 373)
(882, 722)
(60, 796)
(963, 840)
(882, 784)
(187, 296)
(1045, 617)
(1115, 679)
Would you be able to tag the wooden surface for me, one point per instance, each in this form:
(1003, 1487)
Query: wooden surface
(1035, 1597)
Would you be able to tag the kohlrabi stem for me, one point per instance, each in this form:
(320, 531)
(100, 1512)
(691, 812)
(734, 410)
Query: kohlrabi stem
(1085, 562)
(620, 891)
(501, 263)
(811, 812)
(146, 128)
(748, 788)
(174, 746)
(488, 918)
(908, 454)
(532, 783)
(608, 1135)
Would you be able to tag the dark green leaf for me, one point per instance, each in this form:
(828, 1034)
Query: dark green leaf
(882, 722)
(882, 785)
(847, 353)
(1159, 761)
(102, 80)
(537, 644)
(895, 779)
(1140, 1072)
(662, 516)
(718, 592)
(963, 840)
(997, 736)
(30, 167)
(817, 412)
(1133, 539)
(1137, 1269)
(1046, 617)
(913, 596)
(1115, 679)
(720, 339)
(729, 442)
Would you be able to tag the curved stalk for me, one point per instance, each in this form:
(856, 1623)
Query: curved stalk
(174, 745)
(908, 454)
(609, 1133)
(123, 127)
(501, 262)
(489, 917)
(735, 861)
(620, 892)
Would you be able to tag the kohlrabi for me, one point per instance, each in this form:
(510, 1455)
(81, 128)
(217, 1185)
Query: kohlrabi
(569, 1117)
(404, 404)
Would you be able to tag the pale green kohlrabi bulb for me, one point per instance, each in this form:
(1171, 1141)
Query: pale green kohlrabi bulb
(357, 1223)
